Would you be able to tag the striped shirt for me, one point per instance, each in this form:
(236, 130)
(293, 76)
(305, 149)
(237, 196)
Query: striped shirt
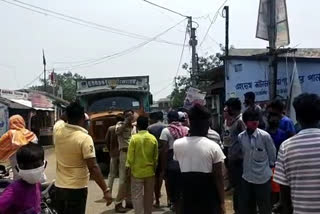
(298, 167)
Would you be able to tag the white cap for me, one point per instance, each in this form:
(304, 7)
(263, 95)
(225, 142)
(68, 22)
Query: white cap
(182, 116)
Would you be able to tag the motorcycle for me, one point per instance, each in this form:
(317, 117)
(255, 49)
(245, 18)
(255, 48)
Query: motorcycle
(47, 195)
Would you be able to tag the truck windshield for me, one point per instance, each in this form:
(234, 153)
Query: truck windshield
(114, 103)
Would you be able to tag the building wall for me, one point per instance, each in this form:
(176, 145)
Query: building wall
(252, 75)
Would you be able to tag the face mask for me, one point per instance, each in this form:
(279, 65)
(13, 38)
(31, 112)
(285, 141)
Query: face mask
(31, 176)
(252, 125)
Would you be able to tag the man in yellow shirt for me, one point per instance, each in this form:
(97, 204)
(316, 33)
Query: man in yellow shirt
(142, 159)
(75, 163)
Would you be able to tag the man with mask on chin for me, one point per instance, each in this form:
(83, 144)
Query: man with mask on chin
(259, 156)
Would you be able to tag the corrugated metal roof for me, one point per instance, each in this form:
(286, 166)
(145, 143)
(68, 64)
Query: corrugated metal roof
(300, 53)
(12, 104)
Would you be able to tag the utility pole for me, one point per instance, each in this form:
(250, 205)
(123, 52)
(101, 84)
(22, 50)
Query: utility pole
(193, 42)
(226, 9)
(273, 65)
(44, 71)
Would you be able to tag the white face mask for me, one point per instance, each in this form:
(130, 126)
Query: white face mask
(32, 176)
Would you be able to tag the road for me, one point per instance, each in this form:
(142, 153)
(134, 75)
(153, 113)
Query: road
(94, 203)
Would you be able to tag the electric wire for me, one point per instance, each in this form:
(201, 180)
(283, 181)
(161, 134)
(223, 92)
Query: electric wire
(82, 22)
(182, 51)
(118, 54)
(164, 8)
(212, 22)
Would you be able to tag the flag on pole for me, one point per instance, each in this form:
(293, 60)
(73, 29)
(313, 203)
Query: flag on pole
(294, 91)
(53, 78)
(44, 58)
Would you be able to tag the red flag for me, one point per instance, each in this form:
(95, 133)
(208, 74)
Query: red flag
(53, 77)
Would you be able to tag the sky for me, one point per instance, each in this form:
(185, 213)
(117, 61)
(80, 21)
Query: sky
(25, 33)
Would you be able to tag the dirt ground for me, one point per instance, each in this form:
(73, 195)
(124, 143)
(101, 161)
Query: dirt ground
(97, 206)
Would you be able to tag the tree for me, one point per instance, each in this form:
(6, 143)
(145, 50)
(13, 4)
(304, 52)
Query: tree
(68, 83)
(182, 83)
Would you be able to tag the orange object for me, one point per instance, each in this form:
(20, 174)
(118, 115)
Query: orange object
(16, 137)
(274, 186)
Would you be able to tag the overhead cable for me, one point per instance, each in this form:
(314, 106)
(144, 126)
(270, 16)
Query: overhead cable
(34, 80)
(118, 54)
(181, 56)
(212, 22)
(172, 11)
(82, 22)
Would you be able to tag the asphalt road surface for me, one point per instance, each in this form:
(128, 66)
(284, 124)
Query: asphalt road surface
(95, 204)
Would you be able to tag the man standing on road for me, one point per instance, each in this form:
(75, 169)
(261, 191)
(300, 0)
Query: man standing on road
(250, 103)
(297, 167)
(259, 155)
(124, 131)
(285, 124)
(75, 163)
(113, 147)
(170, 166)
(142, 160)
(234, 126)
(200, 162)
(156, 127)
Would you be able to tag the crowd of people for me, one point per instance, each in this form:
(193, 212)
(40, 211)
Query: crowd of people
(194, 162)
(269, 163)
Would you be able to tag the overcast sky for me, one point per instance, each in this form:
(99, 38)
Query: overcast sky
(24, 33)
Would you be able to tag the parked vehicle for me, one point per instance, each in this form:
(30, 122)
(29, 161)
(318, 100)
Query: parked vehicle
(106, 98)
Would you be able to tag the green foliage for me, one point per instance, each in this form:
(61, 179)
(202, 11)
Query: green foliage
(68, 83)
(179, 91)
(184, 82)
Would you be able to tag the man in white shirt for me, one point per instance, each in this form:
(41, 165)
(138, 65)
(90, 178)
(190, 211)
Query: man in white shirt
(200, 162)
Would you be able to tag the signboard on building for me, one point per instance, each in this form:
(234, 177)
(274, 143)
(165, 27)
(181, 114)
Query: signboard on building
(254, 77)
(10, 94)
(139, 83)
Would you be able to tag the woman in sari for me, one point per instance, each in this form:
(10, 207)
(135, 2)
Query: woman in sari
(12, 140)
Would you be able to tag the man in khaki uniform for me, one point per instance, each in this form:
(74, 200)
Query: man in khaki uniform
(124, 131)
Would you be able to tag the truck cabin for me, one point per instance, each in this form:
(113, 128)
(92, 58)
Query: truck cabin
(106, 98)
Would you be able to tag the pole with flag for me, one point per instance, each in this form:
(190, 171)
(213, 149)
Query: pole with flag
(44, 71)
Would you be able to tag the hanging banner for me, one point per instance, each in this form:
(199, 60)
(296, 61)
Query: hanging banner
(282, 29)
(282, 26)
(194, 96)
(263, 20)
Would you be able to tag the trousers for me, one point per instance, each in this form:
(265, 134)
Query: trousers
(124, 192)
(69, 201)
(114, 169)
(142, 194)
(255, 195)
